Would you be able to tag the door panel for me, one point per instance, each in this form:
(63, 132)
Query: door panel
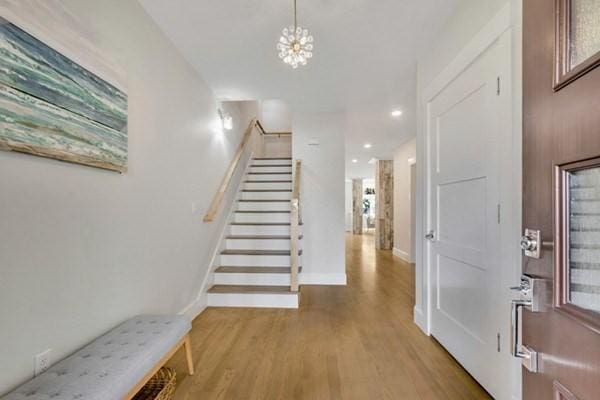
(464, 134)
(561, 127)
(458, 284)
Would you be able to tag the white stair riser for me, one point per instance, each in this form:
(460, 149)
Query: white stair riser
(253, 300)
(270, 177)
(243, 260)
(259, 244)
(270, 169)
(251, 230)
(271, 162)
(267, 185)
(262, 217)
(266, 195)
(252, 279)
(264, 206)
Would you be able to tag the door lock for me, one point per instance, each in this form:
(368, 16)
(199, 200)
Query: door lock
(531, 243)
(535, 294)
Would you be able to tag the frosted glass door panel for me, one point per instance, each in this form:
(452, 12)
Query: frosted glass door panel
(584, 238)
(585, 30)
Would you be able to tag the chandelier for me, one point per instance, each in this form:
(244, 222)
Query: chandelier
(295, 45)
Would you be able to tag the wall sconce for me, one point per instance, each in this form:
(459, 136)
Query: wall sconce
(226, 120)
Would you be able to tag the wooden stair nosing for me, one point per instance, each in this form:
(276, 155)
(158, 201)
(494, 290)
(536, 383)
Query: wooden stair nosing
(269, 173)
(247, 181)
(240, 252)
(263, 201)
(266, 190)
(271, 158)
(261, 237)
(254, 270)
(263, 223)
(271, 166)
(262, 212)
(250, 289)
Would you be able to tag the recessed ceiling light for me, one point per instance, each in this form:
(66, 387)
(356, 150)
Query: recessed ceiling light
(354, 160)
(367, 145)
(396, 113)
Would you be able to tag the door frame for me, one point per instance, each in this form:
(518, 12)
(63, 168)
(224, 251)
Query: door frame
(507, 19)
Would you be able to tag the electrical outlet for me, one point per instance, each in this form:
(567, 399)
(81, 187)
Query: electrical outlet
(42, 362)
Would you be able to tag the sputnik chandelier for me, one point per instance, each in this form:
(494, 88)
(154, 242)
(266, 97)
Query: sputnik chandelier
(295, 45)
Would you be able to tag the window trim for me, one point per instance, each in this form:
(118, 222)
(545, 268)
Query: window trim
(564, 74)
(589, 318)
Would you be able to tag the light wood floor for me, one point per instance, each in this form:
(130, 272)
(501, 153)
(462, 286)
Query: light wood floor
(353, 342)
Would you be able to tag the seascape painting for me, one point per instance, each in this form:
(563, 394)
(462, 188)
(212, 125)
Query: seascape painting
(51, 106)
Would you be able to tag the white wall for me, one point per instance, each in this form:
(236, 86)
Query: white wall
(322, 196)
(82, 249)
(469, 17)
(402, 199)
(276, 116)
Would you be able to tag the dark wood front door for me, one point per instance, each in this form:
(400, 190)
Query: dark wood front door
(561, 193)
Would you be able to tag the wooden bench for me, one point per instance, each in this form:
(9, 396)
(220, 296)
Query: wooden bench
(116, 365)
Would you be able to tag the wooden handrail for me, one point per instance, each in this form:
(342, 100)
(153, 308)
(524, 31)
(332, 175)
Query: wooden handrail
(262, 131)
(260, 127)
(295, 228)
(218, 199)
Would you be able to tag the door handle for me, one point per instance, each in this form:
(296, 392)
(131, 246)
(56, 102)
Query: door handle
(526, 353)
(430, 236)
(531, 243)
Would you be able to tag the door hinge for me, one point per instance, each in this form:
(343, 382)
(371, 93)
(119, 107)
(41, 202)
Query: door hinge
(499, 211)
(498, 86)
(498, 346)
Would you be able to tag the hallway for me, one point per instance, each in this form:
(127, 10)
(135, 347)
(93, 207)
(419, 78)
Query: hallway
(353, 342)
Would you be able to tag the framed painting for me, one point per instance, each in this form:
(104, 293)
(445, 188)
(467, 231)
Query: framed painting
(51, 106)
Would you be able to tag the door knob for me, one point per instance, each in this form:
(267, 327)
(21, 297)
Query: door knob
(528, 243)
(430, 236)
(531, 243)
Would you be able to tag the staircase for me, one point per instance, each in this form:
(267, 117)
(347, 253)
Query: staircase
(254, 266)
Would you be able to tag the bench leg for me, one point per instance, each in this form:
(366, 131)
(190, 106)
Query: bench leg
(187, 344)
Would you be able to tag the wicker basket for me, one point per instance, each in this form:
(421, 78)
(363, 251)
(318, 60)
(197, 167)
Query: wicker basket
(160, 387)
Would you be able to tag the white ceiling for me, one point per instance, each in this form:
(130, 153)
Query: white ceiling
(364, 58)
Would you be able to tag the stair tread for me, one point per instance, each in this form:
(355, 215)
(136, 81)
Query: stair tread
(263, 212)
(269, 173)
(267, 190)
(272, 158)
(255, 270)
(248, 181)
(251, 289)
(242, 252)
(261, 237)
(270, 165)
(263, 201)
(263, 223)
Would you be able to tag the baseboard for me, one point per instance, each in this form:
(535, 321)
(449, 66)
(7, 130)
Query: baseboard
(404, 256)
(195, 308)
(420, 320)
(322, 279)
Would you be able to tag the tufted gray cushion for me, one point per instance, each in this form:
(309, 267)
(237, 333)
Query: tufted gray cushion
(109, 367)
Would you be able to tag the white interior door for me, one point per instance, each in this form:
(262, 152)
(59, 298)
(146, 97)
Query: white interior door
(464, 137)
